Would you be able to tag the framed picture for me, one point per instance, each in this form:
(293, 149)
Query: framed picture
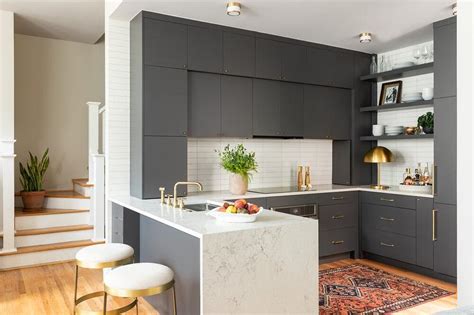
(391, 93)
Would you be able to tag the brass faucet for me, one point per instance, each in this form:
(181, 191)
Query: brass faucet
(175, 193)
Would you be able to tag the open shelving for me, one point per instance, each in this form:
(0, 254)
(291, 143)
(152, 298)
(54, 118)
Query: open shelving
(407, 105)
(398, 137)
(400, 73)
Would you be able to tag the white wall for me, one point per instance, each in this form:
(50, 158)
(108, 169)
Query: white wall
(408, 153)
(53, 81)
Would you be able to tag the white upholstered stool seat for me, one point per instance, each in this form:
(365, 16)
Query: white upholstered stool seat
(102, 254)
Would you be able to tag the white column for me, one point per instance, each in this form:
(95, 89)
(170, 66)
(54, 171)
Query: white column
(7, 128)
(93, 135)
(98, 197)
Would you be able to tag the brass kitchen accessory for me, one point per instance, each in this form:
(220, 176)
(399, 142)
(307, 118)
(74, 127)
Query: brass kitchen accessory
(410, 131)
(300, 182)
(162, 195)
(378, 155)
(307, 178)
(175, 190)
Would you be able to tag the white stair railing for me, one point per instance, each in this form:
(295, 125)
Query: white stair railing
(96, 171)
(7, 195)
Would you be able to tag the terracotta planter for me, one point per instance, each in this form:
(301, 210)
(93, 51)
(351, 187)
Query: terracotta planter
(32, 199)
(238, 185)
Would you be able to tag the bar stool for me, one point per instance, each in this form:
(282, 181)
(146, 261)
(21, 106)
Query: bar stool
(139, 280)
(99, 256)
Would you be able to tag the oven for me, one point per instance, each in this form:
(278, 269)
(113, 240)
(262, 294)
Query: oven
(307, 211)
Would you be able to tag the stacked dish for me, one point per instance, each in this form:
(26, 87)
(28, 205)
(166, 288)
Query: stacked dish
(412, 97)
(399, 65)
(394, 130)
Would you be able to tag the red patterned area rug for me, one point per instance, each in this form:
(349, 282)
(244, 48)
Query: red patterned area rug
(359, 289)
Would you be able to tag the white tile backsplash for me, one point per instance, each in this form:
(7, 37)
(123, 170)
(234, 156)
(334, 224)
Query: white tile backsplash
(408, 153)
(277, 161)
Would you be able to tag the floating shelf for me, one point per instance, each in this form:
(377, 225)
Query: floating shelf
(399, 73)
(399, 137)
(408, 105)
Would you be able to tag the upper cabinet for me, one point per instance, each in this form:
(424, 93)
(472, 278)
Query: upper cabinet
(165, 44)
(330, 67)
(291, 109)
(445, 58)
(293, 63)
(239, 54)
(204, 49)
(266, 108)
(236, 107)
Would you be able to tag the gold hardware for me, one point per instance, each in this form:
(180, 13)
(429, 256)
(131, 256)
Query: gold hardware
(337, 198)
(181, 203)
(337, 242)
(385, 199)
(300, 177)
(386, 245)
(434, 237)
(307, 177)
(434, 180)
(378, 155)
(175, 192)
(168, 200)
(162, 193)
(337, 217)
(386, 219)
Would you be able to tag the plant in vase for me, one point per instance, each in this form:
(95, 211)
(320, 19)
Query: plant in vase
(240, 164)
(426, 122)
(31, 179)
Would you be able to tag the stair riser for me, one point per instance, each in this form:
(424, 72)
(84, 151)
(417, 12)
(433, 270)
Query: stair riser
(85, 191)
(38, 258)
(51, 238)
(53, 220)
(60, 203)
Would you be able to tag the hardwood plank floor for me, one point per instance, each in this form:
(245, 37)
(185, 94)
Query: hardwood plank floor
(49, 289)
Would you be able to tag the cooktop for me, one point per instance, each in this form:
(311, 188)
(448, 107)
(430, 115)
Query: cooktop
(277, 190)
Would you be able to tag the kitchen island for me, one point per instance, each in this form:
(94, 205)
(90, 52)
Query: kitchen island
(269, 266)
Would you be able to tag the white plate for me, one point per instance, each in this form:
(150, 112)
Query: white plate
(411, 99)
(234, 217)
(399, 65)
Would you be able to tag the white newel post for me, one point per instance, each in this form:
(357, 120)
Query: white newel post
(93, 135)
(98, 197)
(7, 128)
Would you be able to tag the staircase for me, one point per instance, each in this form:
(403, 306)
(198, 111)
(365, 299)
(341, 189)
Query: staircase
(55, 233)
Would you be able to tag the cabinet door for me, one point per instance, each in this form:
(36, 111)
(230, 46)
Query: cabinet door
(239, 54)
(445, 150)
(291, 109)
(293, 63)
(317, 117)
(165, 44)
(445, 60)
(328, 67)
(236, 106)
(164, 164)
(424, 232)
(341, 162)
(268, 59)
(266, 108)
(339, 105)
(204, 104)
(204, 49)
(165, 101)
(445, 244)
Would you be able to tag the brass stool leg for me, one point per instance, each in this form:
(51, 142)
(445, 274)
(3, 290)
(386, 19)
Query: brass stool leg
(105, 303)
(174, 300)
(136, 299)
(75, 288)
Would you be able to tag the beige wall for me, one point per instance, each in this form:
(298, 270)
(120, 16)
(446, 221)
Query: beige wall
(53, 81)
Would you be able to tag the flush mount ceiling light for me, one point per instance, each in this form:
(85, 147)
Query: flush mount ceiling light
(365, 37)
(455, 8)
(233, 8)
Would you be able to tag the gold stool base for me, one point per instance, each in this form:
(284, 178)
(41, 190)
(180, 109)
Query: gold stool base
(379, 187)
(120, 310)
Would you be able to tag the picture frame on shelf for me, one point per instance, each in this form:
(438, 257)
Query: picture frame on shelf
(391, 93)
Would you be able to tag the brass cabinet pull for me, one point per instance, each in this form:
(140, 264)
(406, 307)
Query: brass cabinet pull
(385, 199)
(337, 198)
(387, 245)
(434, 224)
(337, 217)
(387, 219)
(337, 242)
(435, 180)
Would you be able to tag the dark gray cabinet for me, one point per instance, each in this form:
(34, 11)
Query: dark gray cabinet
(165, 43)
(204, 110)
(445, 244)
(445, 150)
(291, 109)
(266, 108)
(330, 67)
(239, 54)
(236, 106)
(445, 58)
(165, 101)
(341, 162)
(424, 232)
(268, 59)
(205, 49)
(293, 63)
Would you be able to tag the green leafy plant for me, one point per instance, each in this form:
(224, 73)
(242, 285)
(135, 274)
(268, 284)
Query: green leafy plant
(426, 120)
(238, 161)
(32, 176)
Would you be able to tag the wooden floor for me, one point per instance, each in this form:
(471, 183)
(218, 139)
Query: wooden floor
(49, 289)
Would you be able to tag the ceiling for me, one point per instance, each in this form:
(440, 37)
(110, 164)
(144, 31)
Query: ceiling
(73, 20)
(394, 24)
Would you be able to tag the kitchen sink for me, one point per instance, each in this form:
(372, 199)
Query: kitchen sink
(200, 207)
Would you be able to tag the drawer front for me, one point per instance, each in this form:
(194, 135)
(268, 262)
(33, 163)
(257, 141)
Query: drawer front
(337, 241)
(337, 216)
(391, 245)
(117, 225)
(284, 201)
(389, 219)
(337, 198)
(391, 200)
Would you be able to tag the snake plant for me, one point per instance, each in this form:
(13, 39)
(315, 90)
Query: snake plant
(32, 176)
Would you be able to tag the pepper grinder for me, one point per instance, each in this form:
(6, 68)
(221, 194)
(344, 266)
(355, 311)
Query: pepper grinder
(307, 177)
(300, 177)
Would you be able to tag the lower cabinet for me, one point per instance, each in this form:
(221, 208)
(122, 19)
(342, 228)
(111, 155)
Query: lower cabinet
(445, 239)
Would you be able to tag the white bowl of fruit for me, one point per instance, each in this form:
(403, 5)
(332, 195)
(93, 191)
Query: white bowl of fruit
(238, 212)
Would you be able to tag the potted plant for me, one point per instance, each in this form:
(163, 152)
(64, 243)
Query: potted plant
(240, 164)
(426, 122)
(31, 179)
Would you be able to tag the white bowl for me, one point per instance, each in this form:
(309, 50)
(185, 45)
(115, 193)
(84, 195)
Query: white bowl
(234, 217)
(427, 94)
(378, 130)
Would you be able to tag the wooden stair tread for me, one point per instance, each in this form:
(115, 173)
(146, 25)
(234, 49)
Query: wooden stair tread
(58, 229)
(61, 194)
(20, 212)
(83, 182)
(55, 246)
